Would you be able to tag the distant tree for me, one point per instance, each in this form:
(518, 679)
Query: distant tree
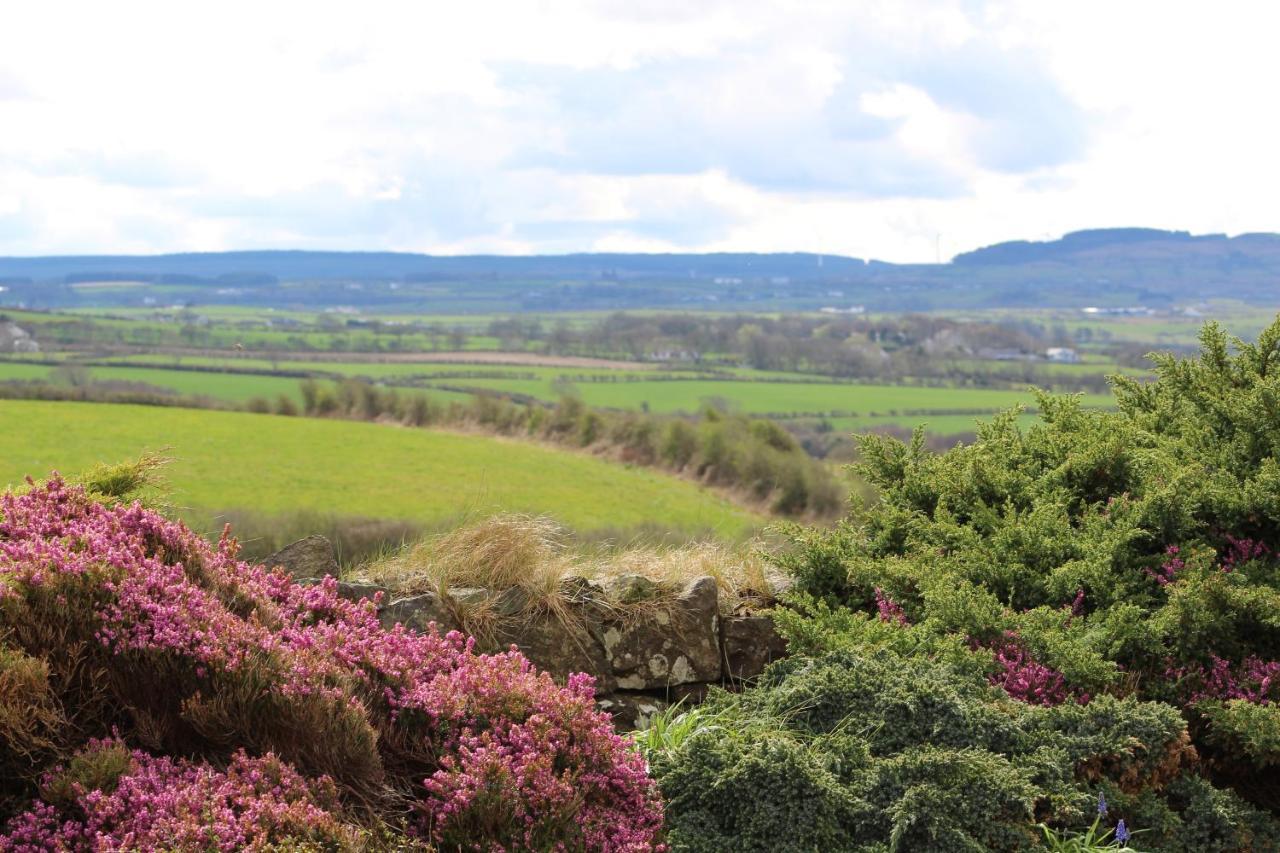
(72, 376)
(286, 406)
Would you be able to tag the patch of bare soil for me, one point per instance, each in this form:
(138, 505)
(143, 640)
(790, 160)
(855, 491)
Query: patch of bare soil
(527, 359)
(521, 359)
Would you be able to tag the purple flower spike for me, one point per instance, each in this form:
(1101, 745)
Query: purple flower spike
(1122, 832)
(1102, 805)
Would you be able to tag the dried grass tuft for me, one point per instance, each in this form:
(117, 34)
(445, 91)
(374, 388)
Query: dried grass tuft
(739, 571)
(502, 552)
(497, 553)
(531, 555)
(522, 553)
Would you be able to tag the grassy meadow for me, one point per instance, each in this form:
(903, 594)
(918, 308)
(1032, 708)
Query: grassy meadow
(227, 387)
(774, 398)
(267, 464)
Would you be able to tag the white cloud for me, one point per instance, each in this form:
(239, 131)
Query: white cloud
(873, 128)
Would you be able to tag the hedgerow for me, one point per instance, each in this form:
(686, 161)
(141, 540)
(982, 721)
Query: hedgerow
(151, 682)
(752, 456)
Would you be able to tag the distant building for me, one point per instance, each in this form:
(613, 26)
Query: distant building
(1126, 311)
(674, 355)
(14, 338)
(852, 309)
(1062, 355)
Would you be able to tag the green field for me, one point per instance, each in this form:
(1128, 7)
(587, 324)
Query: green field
(270, 464)
(230, 387)
(776, 398)
(236, 388)
(379, 369)
(935, 424)
(848, 406)
(229, 338)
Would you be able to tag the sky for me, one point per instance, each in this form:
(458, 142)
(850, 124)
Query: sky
(905, 131)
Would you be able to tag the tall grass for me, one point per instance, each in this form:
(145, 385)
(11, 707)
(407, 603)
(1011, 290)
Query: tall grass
(535, 556)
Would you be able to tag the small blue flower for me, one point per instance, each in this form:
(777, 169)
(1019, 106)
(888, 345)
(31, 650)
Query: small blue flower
(1102, 804)
(1122, 832)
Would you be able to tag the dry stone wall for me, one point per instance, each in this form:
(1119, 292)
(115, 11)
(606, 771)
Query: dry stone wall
(644, 648)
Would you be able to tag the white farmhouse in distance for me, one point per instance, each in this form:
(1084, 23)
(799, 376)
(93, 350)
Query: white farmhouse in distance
(14, 338)
(1062, 355)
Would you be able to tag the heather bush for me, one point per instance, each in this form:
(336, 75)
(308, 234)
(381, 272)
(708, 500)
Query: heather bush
(126, 632)
(109, 798)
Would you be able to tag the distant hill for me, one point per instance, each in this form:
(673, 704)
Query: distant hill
(1119, 244)
(1115, 267)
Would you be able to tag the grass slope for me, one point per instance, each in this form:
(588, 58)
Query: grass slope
(275, 464)
(236, 388)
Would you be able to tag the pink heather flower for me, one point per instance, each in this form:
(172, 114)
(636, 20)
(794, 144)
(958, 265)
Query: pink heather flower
(1169, 568)
(502, 737)
(890, 610)
(1253, 680)
(1024, 678)
(160, 803)
(1240, 551)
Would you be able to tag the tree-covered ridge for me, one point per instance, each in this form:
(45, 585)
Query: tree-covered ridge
(1115, 571)
(1109, 266)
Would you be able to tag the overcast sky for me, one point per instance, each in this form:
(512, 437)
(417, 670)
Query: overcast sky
(895, 130)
